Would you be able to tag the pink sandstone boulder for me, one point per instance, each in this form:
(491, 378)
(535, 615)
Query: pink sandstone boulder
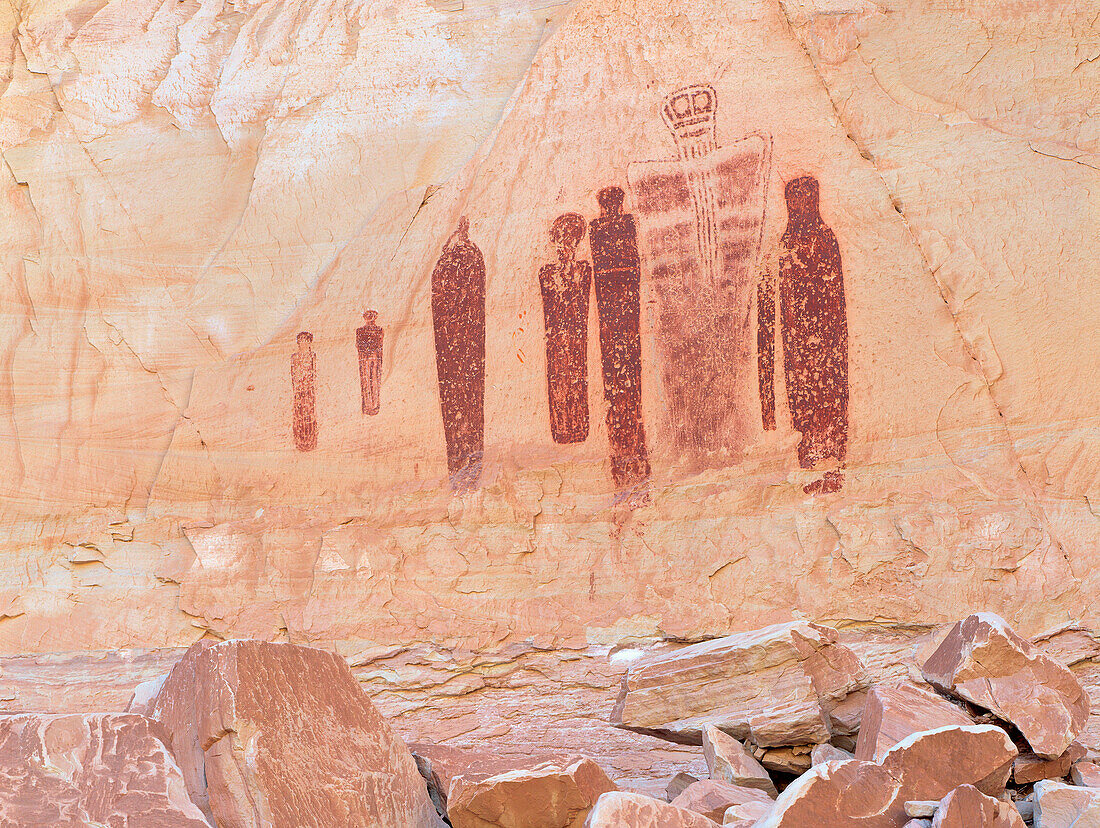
(967, 807)
(728, 761)
(630, 810)
(283, 736)
(983, 661)
(712, 797)
(924, 766)
(895, 711)
(1085, 774)
(1030, 768)
(1058, 805)
(90, 771)
(440, 765)
(828, 753)
(774, 687)
(550, 795)
(746, 814)
(678, 784)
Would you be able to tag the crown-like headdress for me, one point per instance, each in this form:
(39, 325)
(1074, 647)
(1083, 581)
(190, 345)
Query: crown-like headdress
(689, 113)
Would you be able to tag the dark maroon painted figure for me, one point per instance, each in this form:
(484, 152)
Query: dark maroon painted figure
(303, 375)
(614, 242)
(565, 288)
(458, 315)
(368, 342)
(814, 325)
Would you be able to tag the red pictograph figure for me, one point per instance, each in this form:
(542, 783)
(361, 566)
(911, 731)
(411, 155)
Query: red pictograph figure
(814, 325)
(368, 342)
(458, 315)
(303, 375)
(614, 242)
(565, 288)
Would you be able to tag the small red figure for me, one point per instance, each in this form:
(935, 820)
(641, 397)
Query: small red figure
(368, 341)
(303, 374)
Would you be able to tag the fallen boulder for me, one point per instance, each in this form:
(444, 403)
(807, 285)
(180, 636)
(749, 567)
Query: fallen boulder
(630, 810)
(728, 761)
(774, 686)
(1058, 805)
(828, 753)
(281, 735)
(550, 795)
(1086, 774)
(440, 765)
(934, 762)
(746, 814)
(712, 798)
(983, 661)
(88, 771)
(678, 784)
(895, 711)
(967, 807)
(1030, 768)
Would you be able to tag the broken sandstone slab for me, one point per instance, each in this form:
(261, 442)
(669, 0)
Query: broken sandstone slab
(728, 761)
(983, 661)
(895, 711)
(828, 753)
(87, 771)
(440, 765)
(712, 798)
(620, 809)
(550, 795)
(746, 814)
(1086, 774)
(281, 735)
(924, 766)
(1030, 768)
(1058, 805)
(967, 807)
(773, 686)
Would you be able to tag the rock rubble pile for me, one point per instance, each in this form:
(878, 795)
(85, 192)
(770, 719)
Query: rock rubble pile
(794, 733)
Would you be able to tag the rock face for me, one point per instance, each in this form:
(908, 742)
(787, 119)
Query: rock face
(712, 798)
(893, 712)
(728, 761)
(90, 771)
(924, 766)
(629, 810)
(283, 735)
(1058, 805)
(546, 796)
(967, 807)
(983, 661)
(774, 686)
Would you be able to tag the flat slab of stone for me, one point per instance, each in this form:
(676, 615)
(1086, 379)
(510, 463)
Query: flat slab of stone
(712, 798)
(729, 761)
(281, 735)
(90, 771)
(894, 711)
(550, 795)
(967, 807)
(773, 686)
(1058, 805)
(630, 810)
(985, 662)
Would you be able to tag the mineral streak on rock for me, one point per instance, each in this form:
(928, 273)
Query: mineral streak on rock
(458, 316)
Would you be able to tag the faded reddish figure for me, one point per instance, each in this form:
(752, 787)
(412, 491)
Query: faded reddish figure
(614, 242)
(368, 342)
(458, 315)
(565, 288)
(303, 376)
(814, 325)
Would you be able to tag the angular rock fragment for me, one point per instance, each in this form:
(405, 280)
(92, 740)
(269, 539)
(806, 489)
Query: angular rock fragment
(1030, 768)
(728, 761)
(440, 765)
(967, 807)
(276, 734)
(918, 823)
(88, 771)
(895, 711)
(921, 808)
(678, 784)
(746, 814)
(712, 797)
(828, 753)
(1086, 774)
(924, 766)
(630, 810)
(1058, 805)
(774, 686)
(550, 795)
(792, 760)
(983, 661)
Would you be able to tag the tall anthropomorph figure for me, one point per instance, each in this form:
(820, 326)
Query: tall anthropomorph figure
(458, 315)
(614, 242)
(813, 322)
(565, 288)
(368, 342)
(303, 376)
